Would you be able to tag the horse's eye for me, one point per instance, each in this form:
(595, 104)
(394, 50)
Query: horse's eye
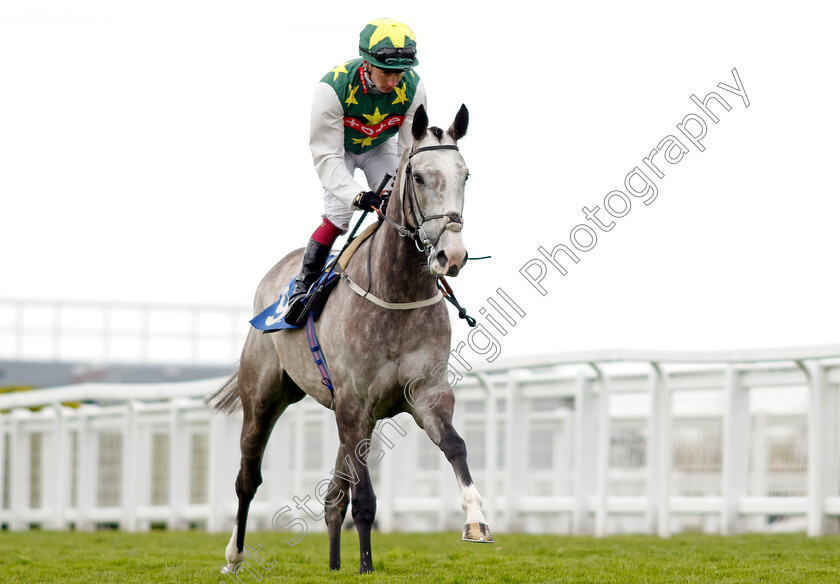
(418, 179)
(466, 178)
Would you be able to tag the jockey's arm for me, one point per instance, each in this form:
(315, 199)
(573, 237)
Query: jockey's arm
(326, 142)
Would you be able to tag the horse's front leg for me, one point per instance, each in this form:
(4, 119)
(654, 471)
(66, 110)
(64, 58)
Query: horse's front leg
(432, 410)
(354, 431)
(337, 500)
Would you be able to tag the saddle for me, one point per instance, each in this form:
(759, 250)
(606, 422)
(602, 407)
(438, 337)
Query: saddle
(273, 317)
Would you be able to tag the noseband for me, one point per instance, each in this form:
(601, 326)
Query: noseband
(416, 232)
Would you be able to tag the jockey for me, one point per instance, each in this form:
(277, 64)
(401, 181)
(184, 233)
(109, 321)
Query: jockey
(361, 118)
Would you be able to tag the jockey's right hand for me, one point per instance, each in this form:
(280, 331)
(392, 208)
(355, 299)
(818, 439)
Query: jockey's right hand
(386, 196)
(367, 199)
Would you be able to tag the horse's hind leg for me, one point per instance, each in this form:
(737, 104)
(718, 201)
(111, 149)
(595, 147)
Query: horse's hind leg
(256, 429)
(433, 412)
(264, 395)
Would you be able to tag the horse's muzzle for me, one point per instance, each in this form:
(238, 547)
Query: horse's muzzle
(451, 255)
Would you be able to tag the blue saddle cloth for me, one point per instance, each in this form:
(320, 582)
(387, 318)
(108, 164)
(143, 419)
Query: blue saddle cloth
(273, 317)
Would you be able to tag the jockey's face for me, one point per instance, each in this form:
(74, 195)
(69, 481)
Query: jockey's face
(385, 79)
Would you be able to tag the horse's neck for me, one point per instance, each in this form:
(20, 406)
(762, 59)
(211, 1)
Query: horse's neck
(398, 270)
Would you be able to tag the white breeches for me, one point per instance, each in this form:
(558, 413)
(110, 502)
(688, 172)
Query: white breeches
(374, 163)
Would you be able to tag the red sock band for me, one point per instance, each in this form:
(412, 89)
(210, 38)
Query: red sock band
(326, 233)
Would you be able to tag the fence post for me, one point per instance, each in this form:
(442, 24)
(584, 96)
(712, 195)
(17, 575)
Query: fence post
(19, 467)
(143, 458)
(58, 457)
(129, 468)
(818, 415)
(586, 419)
(736, 428)
(86, 473)
(3, 476)
(759, 452)
(176, 465)
(516, 457)
(602, 456)
(216, 471)
(659, 454)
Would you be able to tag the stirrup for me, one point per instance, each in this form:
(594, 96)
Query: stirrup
(295, 311)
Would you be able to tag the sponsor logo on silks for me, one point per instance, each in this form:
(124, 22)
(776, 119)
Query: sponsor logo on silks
(373, 131)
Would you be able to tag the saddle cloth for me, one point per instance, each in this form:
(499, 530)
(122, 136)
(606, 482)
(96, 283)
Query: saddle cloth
(272, 318)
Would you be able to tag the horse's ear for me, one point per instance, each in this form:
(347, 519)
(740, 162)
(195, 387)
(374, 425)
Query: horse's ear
(459, 126)
(420, 123)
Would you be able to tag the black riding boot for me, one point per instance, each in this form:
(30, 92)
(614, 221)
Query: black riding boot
(314, 257)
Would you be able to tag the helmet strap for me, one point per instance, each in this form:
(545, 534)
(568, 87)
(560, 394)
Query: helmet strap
(367, 78)
(363, 76)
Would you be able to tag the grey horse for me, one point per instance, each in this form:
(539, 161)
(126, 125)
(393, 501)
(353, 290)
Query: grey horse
(384, 360)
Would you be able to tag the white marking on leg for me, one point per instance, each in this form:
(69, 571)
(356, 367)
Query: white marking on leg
(471, 504)
(232, 555)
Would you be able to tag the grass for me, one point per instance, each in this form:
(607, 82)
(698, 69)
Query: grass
(195, 557)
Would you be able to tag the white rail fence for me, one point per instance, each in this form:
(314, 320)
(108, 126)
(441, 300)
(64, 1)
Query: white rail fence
(601, 443)
(108, 332)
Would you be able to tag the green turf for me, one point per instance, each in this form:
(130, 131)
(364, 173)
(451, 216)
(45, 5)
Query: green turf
(187, 557)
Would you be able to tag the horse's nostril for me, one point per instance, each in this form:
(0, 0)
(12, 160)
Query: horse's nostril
(441, 258)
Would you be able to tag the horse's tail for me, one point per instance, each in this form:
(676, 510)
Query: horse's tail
(226, 400)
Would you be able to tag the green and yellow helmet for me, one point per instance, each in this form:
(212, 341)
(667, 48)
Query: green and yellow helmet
(388, 44)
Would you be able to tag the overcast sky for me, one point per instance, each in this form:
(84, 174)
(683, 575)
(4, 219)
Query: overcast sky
(158, 151)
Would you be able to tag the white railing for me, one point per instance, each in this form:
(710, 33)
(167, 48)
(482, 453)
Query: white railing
(601, 442)
(114, 332)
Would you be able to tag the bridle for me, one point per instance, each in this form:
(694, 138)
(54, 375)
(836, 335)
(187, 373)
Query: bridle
(421, 241)
(417, 233)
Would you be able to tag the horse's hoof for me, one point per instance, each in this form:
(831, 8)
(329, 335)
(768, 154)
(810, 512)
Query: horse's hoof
(477, 533)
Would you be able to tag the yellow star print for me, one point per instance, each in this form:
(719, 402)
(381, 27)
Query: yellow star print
(340, 69)
(352, 99)
(393, 29)
(365, 141)
(376, 118)
(401, 97)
